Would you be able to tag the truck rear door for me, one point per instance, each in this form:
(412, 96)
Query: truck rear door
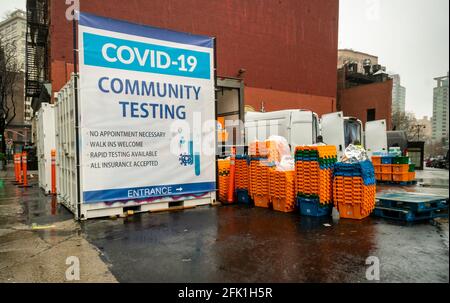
(332, 128)
(376, 137)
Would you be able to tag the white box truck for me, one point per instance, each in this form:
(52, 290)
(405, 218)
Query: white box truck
(299, 127)
(45, 142)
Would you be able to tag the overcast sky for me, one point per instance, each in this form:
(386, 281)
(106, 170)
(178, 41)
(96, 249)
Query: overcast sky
(410, 37)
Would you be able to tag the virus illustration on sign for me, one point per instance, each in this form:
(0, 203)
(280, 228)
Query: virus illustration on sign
(186, 159)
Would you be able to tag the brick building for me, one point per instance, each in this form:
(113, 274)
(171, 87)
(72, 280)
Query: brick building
(365, 96)
(285, 51)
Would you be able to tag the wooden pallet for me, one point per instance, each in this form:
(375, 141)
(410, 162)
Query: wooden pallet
(99, 210)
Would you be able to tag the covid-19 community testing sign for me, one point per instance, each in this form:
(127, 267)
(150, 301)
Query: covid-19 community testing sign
(147, 110)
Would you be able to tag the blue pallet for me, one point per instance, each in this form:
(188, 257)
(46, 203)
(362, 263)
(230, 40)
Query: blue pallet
(414, 202)
(396, 183)
(313, 208)
(407, 215)
(243, 197)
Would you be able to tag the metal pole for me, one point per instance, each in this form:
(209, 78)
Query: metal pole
(75, 87)
(215, 113)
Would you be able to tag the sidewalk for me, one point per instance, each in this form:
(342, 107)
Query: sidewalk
(38, 254)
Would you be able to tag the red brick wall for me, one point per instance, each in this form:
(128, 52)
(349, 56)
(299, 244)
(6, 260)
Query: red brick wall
(284, 45)
(278, 100)
(355, 101)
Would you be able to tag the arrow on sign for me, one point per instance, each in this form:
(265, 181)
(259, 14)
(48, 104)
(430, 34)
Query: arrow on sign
(179, 189)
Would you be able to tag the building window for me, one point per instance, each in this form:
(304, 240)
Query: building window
(371, 113)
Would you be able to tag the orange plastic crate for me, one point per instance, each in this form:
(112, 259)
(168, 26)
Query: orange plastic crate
(400, 177)
(386, 168)
(376, 160)
(386, 177)
(261, 200)
(378, 176)
(351, 211)
(400, 168)
(283, 204)
(412, 176)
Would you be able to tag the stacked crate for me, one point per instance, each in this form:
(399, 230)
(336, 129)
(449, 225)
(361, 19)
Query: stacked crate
(282, 190)
(393, 169)
(259, 181)
(354, 189)
(412, 172)
(314, 171)
(223, 166)
(242, 178)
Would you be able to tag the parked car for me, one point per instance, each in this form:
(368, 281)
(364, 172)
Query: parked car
(438, 162)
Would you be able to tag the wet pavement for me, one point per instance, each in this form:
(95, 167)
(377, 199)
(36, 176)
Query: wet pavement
(37, 235)
(231, 243)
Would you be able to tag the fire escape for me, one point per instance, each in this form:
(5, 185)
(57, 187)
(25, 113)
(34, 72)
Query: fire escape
(37, 67)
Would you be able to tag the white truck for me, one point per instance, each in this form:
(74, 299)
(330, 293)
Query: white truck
(302, 127)
(341, 131)
(299, 127)
(375, 137)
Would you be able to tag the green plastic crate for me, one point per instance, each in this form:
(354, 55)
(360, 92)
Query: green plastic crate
(400, 160)
(412, 168)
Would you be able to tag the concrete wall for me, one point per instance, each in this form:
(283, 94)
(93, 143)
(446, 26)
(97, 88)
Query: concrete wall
(288, 48)
(356, 100)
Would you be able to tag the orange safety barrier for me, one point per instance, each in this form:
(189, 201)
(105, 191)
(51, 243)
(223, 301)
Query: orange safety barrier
(230, 197)
(17, 168)
(24, 169)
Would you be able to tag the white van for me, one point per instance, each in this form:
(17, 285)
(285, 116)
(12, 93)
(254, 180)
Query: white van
(299, 127)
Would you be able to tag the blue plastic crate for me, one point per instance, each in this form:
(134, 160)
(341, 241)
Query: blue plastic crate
(243, 197)
(386, 160)
(313, 208)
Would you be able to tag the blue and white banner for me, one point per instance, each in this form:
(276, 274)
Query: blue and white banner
(146, 111)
